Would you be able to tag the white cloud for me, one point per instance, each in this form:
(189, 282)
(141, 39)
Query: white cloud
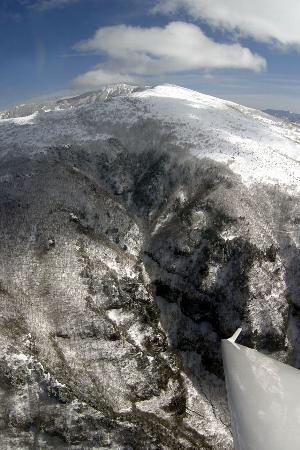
(99, 77)
(264, 20)
(179, 47)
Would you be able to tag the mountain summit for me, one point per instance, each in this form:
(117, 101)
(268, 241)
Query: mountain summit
(258, 147)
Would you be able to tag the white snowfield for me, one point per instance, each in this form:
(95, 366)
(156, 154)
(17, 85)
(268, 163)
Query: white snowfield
(258, 147)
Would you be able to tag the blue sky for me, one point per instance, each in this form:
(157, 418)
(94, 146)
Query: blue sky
(63, 47)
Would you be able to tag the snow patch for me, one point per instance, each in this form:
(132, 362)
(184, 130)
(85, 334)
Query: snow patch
(27, 120)
(119, 316)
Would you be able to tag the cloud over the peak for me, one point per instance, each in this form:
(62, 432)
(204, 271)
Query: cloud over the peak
(99, 77)
(263, 20)
(179, 47)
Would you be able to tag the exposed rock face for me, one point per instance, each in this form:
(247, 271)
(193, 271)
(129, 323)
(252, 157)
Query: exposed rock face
(122, 267)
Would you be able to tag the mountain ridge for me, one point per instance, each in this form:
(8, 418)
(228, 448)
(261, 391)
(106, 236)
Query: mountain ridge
(240, 136)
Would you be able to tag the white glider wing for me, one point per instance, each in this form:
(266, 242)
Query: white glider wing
(264, 399)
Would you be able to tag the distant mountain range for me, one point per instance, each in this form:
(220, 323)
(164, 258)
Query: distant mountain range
(285, 115)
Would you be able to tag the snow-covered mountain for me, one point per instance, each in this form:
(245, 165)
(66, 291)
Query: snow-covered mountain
(255, 145)
(284, 115)
(139, 227)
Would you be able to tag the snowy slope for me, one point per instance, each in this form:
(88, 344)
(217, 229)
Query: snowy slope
(258, 147)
